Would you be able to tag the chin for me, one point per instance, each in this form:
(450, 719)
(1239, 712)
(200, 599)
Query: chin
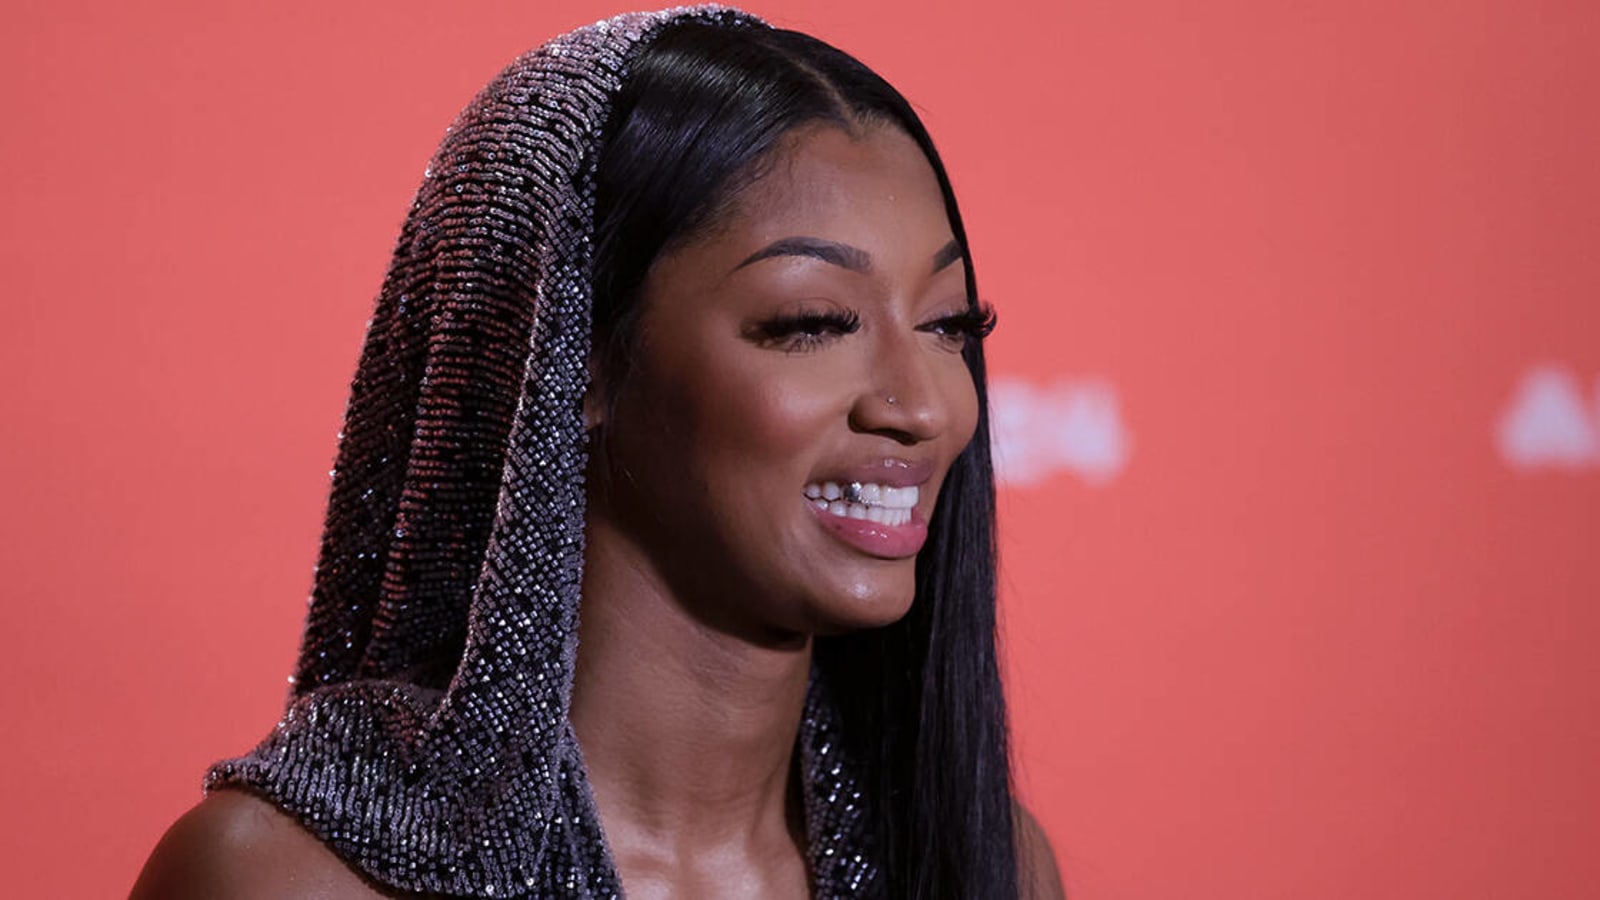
(864, 604)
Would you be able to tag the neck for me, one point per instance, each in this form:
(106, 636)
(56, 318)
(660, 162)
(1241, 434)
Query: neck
(687, 731)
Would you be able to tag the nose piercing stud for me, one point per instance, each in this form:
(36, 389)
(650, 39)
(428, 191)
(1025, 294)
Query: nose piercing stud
(891, 400)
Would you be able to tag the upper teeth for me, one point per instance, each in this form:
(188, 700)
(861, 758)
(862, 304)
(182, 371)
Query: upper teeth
(867, 494)
(854, 500)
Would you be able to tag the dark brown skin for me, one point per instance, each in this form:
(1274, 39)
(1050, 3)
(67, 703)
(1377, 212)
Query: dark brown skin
(718, 431)
(707, 573)
(233, 846)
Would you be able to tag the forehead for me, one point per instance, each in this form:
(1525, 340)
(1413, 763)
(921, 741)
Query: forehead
(825, 181)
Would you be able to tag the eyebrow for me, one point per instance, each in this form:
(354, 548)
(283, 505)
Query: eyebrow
(947, 254)
(842, 255)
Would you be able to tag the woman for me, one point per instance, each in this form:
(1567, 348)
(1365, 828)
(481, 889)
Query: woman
(682, 323)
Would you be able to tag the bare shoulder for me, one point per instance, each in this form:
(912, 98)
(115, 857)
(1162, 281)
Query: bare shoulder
(237, 846)
(1038, 875)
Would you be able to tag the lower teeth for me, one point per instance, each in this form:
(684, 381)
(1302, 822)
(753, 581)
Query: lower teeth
(845, 509)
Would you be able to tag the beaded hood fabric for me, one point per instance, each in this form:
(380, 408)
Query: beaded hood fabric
(426, 739)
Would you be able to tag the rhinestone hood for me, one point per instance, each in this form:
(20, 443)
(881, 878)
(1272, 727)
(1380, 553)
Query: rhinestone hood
(426, 739)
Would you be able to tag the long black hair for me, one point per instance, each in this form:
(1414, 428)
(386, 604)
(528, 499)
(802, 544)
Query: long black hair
(702, 109)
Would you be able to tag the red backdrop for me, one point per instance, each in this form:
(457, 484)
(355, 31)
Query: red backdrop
(1299, 374)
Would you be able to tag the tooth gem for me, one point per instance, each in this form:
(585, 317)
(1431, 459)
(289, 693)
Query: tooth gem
(852, 492)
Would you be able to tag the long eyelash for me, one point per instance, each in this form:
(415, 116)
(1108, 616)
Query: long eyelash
(977, 322)
(808, 327)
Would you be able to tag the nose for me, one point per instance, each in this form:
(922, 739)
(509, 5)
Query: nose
(902, 396)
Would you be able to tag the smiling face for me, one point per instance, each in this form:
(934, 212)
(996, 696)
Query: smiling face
(797, 392)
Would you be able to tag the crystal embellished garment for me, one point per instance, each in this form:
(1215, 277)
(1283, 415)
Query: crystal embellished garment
(426, 739)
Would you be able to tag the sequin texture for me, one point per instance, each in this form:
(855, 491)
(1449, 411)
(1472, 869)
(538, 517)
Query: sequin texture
(426, 739)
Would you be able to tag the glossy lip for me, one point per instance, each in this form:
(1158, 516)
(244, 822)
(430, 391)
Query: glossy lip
(875, 538)
(892, 471)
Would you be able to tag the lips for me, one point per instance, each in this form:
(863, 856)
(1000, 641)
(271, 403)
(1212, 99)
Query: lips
(891, 471)
(872, 507)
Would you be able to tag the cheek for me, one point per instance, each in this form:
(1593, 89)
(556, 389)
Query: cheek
(962, 396)
(737, 421)
(764, 420)
(789, 411)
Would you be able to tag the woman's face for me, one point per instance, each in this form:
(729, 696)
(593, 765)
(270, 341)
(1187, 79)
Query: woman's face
(798, 393)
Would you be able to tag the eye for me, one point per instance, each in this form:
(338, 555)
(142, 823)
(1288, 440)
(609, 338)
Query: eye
(806, 330)
(972, 324)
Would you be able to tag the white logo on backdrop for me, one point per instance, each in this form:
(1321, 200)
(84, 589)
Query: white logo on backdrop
(1072, 425)
(1548, 424)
